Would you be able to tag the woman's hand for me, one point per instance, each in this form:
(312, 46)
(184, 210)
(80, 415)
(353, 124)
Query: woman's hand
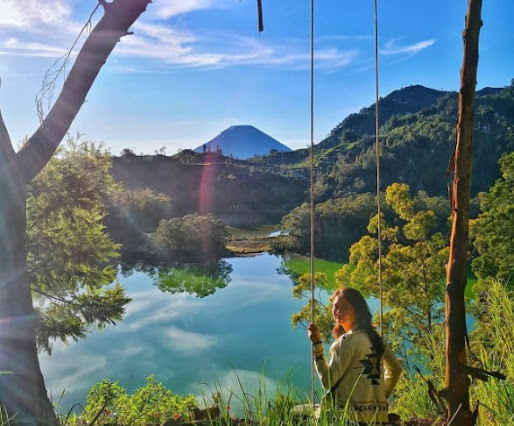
(313, 333)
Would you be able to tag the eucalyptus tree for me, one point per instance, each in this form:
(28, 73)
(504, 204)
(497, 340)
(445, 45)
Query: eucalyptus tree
(22, 388)
(414, 255)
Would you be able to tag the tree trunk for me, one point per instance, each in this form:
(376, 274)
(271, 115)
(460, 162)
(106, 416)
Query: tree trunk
(457, 381)
(22, 388)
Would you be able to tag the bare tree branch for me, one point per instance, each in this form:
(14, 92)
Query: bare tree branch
(118, 17)
(58, 69)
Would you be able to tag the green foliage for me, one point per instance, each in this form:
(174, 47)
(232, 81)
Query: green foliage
(412, 398)
(191, 239)
(339, 223)
(74, 316)
(322, 311)
(69, 252)
(295, 228)
(412, 273)
(108, 403)
(493, 230)
(297, 268)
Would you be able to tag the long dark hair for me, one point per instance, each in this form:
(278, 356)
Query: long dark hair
(363, 317)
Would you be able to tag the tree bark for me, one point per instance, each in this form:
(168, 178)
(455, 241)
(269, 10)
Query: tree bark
(457, 381)
(22, 388)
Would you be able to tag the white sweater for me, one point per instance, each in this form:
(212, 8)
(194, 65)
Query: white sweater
(366, 383)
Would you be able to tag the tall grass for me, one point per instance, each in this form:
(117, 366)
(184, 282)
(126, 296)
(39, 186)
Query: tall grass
(5, 419)
(493, 346)
(109, 404)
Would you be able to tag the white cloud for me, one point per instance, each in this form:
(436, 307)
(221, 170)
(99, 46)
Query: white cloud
(391, 48)
(65, 372)
(167, 8)
(157, 41)
(13, 46)
(32, 14)
(237, 384)
(188, 341)
(143, 311)
(161, 43)
(38, 29)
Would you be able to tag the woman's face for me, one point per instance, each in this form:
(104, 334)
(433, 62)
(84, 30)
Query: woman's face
(344, 312)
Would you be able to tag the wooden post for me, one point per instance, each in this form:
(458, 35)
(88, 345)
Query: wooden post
(457, 381)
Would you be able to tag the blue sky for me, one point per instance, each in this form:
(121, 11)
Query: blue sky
(195, 67)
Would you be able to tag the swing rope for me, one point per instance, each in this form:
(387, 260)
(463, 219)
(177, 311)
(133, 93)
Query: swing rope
(312, 201)
(379, 209)
(313, 372)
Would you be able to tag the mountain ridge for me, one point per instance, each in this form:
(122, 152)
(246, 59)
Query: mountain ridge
(407, 100)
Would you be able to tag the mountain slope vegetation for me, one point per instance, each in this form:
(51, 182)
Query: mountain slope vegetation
(418, 135)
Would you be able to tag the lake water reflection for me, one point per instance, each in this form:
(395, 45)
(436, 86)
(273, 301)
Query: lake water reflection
(184, 340)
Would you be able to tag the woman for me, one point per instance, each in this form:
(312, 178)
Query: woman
(362, 370)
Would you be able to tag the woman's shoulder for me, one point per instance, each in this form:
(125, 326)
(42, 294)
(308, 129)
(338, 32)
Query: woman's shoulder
(355, 337)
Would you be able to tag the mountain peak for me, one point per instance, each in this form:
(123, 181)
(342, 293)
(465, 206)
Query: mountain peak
(243, 141)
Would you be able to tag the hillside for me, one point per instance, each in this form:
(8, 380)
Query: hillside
(234, 191)
(418, 135)
(242, 142)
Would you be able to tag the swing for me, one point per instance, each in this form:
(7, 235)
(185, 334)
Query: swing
(311, 163)
(312, 203)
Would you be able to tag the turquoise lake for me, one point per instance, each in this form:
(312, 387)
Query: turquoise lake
(187, 342)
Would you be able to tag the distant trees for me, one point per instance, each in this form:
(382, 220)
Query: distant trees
(190, 239)
(339, 223)
(493, 231)
(128, 152)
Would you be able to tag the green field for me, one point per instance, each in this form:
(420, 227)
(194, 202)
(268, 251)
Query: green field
(299, 265)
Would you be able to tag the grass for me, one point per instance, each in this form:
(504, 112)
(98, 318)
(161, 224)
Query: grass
(251, 240)
(259, 231)
(109, 404)
(250, 246)
(5, 420)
